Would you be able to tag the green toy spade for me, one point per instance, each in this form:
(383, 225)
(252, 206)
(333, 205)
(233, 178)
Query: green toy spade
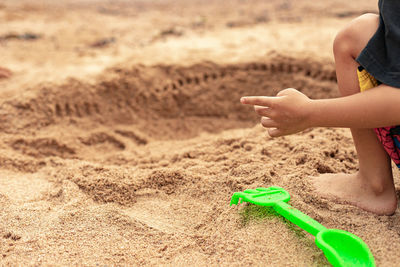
(341, 248)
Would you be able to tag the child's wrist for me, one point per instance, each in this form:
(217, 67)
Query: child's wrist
(312, 114)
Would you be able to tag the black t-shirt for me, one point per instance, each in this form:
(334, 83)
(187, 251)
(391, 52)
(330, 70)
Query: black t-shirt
(381, 56)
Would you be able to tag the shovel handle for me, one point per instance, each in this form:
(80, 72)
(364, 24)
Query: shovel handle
(297, 217)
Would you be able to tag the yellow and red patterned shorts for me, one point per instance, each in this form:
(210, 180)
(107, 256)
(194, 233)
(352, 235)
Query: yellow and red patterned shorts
(388, 136)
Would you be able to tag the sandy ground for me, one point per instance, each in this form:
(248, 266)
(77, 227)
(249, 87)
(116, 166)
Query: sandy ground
(122, 136)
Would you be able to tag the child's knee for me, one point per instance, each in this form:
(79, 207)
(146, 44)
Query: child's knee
(343, 42)
(354, 37)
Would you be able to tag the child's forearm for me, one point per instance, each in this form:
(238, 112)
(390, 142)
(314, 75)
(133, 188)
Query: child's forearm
(374, 108)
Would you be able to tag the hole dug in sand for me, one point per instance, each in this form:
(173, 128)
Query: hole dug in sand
(201, 97)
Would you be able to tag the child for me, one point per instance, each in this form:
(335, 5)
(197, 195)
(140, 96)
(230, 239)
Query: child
(368, 47)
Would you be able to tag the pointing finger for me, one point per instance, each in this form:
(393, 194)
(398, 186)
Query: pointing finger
(265, 101)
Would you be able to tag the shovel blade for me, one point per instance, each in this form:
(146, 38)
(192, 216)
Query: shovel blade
(342, 248)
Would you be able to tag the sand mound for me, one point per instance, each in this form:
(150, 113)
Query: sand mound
(138, 168)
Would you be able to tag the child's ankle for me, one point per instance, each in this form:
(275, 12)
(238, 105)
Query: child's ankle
(378, 183)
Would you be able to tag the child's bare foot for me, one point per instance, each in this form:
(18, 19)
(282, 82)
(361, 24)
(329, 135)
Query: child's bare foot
(353, 189)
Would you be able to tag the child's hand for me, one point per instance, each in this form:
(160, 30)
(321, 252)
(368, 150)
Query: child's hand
(287, 113)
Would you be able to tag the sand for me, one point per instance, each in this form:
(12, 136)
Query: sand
(123, 140)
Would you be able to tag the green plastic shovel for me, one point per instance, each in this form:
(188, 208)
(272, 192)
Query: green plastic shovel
(341, 248)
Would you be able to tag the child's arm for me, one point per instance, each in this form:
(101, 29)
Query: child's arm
(291, 111)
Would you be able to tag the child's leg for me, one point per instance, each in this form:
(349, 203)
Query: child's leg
(371, 188)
